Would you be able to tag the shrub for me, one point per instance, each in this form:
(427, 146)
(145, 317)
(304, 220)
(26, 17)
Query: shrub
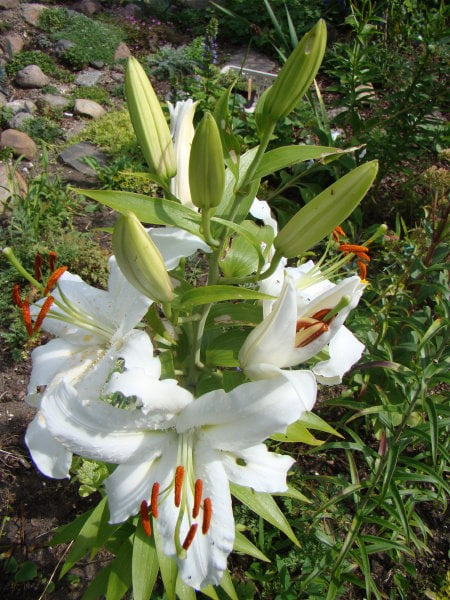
(36, 57)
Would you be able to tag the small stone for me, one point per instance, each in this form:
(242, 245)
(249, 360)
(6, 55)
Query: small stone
(6, 4)
(62, 45)
(11, 182)
(119, 77)
(88, 7)
(19, 142)
(31, 77)
(32, 12)
(13, 43)
(332, 113)
(55, 101)
(19, 119)
(122, 51)
(3, 100)
(97, 64)
(73, 155)
(21, 106)
(88, 108)
(88, 78)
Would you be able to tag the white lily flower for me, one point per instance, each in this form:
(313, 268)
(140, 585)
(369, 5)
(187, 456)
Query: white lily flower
(299, 325)
(178, 454)
(182, 130)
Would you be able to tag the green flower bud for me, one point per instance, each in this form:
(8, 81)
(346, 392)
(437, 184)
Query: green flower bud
(148, 121)
(296, 75)
(140, 260)
(326, 211)
(206, 165)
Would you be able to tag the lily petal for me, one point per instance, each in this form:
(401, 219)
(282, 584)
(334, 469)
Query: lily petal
(345, 350)
(175, 243)
(49, 455)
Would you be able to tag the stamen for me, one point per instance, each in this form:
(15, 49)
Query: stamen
(16, 295)
(27, 317)
(190, 536)
(53, 279)
(353, 248)
(363, 256)
(362, 267)
(320, 314)
(154, 500)
(179, 474)
(198, 490)
(38, 266)
(146, 526)
(43, 313)
(337, 233)
(304, 323)
(52, 260)
(207, 514)
(308, 335)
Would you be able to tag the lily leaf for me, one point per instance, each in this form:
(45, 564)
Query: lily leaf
(144, 564)
(245, 546)
(297, 432)
(313, 421)
(119, 579)
(169, 569)
(216, 293)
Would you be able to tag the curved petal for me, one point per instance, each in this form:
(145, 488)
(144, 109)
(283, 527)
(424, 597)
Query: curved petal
(182, 131)
(244, 417)
(258, 468)
(49, 455)
(129, 484)
(175, 243)
(261, 210)
(345, 350)
(98, 430)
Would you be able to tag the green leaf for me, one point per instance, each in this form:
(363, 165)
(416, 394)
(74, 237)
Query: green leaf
(69, 532)
(86, 538)
(285, 156)
(168, 567)
(227, 314)
(119, 579)
(297, 432)
(216, 293)
(230, 143)
(27, 572)
(313, 421)
(245, 546)
(157, 211)
(97, 587)
(295, 494)
(210, 592)
(434, 428)
(401, 512)
(265, 506)
(223, 350)
(378, 544)
(183, 591)
(227, 585)
(144, 564)
(225, 207)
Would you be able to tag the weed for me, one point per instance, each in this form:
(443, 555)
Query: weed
(42, 129)
(39, 58)
(95, 92)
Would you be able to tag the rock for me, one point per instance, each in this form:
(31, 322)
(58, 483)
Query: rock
(132, 10)
(11, 183)
(32, 12)
(3, 100)
(73, 155)
(119, 77)
(88, 108)
(88, 78)
(55, 101)
(332, 113)
(62, 45)
(97, 64)
(13, 43)
(19, 119)
(31, 77)
(19, 142)
(88, 7)
(21, 106)
(122, 51)
(6, 4)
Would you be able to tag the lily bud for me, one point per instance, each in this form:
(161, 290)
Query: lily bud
(325, 212)
(206, 165)
(296, 75)
(140, 260)
(148, 121)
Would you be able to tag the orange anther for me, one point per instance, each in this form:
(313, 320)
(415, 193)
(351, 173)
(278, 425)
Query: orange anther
(146, 525)
(154, 500)
(52, 260)
(43, 313)
(179, 475)
(53, 279)
(309, 334)
(27, 317)
(353, 248)
(38, 267)
(207, 514)
(16, 295)
(337, 233)
(320, 314)
(362, 267)
(304, 323)
(198, 491)
(190, 536)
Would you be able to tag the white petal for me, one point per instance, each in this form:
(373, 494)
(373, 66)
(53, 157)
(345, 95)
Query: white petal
(263, 471)
(175, 243)
(129, 484)
(49, 455)
(245, 416)
(261, 210)
(345, 350)
(98, 430)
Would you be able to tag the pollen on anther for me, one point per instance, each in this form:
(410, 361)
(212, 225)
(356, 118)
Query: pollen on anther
(337, 233)
(207, 515)
(190, 536)
(145, 518)
(154, 500)
(362, 267)
(320, 314)
(27, 317)
(16, 295)
(52, 260)
(198, 491)
(53, 279)
(38, 266)
(43, 313)
(179, 475)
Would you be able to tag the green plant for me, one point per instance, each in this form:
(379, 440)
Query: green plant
(39, 58)
(96, 92)
(53, 19)
(171, 63)
(43, 129)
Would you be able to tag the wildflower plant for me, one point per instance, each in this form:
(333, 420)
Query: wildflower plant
(178, 385)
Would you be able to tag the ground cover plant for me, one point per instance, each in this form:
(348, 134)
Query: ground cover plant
(363, 515)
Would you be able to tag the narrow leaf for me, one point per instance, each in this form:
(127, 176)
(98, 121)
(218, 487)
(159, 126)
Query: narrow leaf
(144, 564)
(168, 567)
(245, 546)
(120, 574)
(217, 293)
(227, 585)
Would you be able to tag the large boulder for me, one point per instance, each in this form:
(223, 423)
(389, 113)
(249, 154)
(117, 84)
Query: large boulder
(6, 4)
(31, 77)
(88, 108)
(32, 12)
(19, 142)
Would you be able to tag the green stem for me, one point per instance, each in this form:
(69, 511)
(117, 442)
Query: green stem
(206, 227)
(9, 254)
